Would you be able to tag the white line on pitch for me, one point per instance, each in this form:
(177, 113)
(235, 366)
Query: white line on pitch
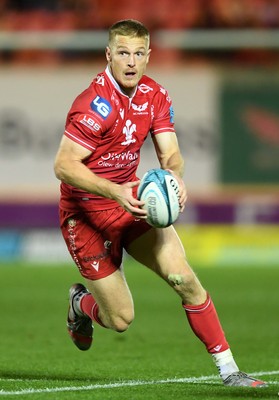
(211, 379)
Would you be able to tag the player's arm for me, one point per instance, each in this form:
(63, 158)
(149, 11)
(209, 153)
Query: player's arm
(170, 158)
(69, 168)
(168, 152)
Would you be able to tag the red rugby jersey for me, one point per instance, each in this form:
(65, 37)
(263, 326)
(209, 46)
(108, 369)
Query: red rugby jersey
(114, 127)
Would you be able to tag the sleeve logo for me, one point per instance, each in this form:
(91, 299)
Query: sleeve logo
(171, 114)
(101, 106)
(89, 122)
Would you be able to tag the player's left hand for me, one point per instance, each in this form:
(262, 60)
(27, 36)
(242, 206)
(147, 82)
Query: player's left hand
(182, 190)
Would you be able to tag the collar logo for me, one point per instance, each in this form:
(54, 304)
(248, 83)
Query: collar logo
(144, 88)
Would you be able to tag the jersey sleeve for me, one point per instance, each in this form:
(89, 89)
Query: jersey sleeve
(163, 117)
(83, 125)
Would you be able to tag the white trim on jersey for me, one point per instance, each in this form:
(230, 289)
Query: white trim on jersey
(159, 130)
(76, 139)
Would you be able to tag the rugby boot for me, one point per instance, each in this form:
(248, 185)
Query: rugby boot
(241, 379)
(79, 325)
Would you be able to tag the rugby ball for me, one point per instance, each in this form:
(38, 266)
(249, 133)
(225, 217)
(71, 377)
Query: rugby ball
(160, 191)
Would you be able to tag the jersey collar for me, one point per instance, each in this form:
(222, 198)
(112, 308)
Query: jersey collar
(115, 84)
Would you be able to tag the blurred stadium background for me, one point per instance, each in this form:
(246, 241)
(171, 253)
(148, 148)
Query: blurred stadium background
(219, 60)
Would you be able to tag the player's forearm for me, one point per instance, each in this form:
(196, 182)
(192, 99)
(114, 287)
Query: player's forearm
(174, 162)
(78, 175)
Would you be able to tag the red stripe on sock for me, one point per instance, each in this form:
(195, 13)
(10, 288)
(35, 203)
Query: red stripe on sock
(89, 307)
(205, 323)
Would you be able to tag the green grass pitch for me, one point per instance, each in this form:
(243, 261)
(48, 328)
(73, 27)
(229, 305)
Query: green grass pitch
(157, 358)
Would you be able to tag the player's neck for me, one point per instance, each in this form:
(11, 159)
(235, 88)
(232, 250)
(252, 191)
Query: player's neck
(129, 92)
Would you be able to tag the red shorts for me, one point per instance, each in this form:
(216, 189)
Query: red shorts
(95, 239)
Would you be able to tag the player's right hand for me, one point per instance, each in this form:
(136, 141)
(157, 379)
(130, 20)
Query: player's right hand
(123, 194)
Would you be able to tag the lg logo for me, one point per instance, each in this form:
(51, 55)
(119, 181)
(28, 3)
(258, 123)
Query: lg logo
(101, 106)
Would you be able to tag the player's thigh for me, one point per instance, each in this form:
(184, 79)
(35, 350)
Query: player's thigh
(113, 295)
(161, 250)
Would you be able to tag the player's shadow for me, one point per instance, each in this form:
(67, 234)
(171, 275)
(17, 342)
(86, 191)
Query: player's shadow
(24, 375)
(222, 392)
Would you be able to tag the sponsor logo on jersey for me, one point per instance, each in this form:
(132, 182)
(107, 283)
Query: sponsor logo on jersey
(144, 88)
(72, 222)
(89, 122)
(141, 108)
(96, 258)
(107, 244)
(95, 265)
(100, 80)
(128, 131)
(114, 98)
(152, 112)
(101, 106)
(124, 156)
(72, 241)
(126, 159)
(165, 93)
(171, 114)
(121, 112)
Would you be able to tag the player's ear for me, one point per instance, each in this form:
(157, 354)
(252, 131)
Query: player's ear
(148, 55)
(108, 54)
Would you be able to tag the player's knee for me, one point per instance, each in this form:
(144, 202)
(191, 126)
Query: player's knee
(186, 285)
(122, 321)
(181, 282)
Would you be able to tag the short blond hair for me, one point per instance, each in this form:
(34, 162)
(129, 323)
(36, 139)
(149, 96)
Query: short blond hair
(128, 27)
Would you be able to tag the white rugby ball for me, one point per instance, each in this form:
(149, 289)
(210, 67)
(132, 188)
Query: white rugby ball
(160, 191)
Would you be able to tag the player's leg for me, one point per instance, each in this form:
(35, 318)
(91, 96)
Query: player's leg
(164, 254)
(111, 302)
(107, 301)
(94, 243)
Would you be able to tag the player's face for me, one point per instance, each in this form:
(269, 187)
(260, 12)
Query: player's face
(127, 58)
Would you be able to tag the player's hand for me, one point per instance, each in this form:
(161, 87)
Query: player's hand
(124, 196)
(182, 190)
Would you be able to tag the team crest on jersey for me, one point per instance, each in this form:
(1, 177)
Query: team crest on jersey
(128, 131)
(144, 88)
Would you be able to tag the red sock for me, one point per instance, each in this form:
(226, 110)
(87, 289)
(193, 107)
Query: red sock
(205, 323)
(89, 307)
